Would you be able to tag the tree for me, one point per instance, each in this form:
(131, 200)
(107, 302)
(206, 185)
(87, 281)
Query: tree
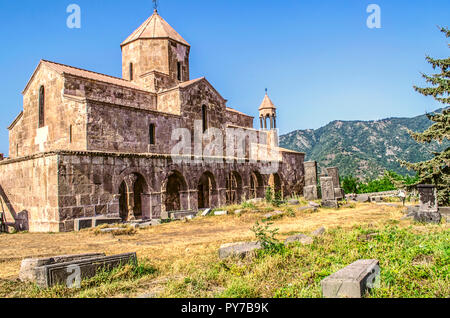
(436, 171)
(350, 184)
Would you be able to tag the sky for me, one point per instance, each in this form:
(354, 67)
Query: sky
(318, 59)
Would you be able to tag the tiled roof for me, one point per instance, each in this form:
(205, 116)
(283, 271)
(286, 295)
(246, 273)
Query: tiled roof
(61, 68)
(238, 112)
(267, 103)
(155, 27)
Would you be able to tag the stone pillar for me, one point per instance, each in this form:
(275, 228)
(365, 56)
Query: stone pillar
(328, 195)
(130, 200)
(310, 189)
(184, 200)
(333, 172)
(429, 210)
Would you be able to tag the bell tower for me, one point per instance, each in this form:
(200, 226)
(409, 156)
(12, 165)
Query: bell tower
(268, 113)
(155, 56)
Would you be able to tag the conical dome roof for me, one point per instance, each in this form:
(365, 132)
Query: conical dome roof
(155, 27)
(267, 103)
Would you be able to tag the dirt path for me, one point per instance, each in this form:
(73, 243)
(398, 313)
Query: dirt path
(161, 244)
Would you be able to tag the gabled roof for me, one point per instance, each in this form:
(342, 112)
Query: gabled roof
(199, 80)
(267, 103)
(66, 69)
(155, 27)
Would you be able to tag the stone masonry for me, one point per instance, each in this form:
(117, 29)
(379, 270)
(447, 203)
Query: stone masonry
(88, 144)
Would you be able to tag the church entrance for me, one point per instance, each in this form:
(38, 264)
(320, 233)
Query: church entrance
(131, 191)
(233, 188)
(205, 188)
(175, 185)
(256, 185)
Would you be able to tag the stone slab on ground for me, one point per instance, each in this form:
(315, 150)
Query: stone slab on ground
(305, 208)
(273, 214)
(90, 222)
(240, 249)
(206, 212)
(29, 265)
(427, 217)
(319, 232)
(219, 213)
(54, 274)
(363, 198)
(445, 212)
(412, 209)
(302, 238)
(330, 204)
(314, 204)
(294, 202)
(237, 212)
(180, 215)
(352, 281)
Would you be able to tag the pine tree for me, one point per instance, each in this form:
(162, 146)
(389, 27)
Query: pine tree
(436, 171)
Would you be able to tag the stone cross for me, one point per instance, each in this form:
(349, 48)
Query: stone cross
(429, 210)
(327, 188)
(310, 189)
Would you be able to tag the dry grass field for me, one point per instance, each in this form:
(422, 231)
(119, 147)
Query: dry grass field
(184, 253)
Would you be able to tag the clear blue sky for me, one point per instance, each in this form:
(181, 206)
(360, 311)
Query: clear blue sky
(318, 59)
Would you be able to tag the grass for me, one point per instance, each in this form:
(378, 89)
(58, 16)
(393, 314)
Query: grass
(414, 258)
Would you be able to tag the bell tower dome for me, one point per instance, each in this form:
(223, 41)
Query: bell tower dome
(155, 55)
(267, 113)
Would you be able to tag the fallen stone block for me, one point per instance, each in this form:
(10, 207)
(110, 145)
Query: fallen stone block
(219, 213)
(352, 281)
(294, 202)
(445, 212)
(28, 267)
(319, 232)
(257, 200)
(363, 198)
(273, 214)
(330, 204)
(104, 220)
(237, 212)
(427, 217)
(412, 209)
(180, 215)
(51, 275)
(314, 204)
(302, 238)
(241, 249)
(110, 230)
(206, 212)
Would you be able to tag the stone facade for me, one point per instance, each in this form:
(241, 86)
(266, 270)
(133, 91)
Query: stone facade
(88, 144)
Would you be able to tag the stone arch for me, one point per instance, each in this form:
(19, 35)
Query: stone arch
(256, 183)
(233, 188)
(134, 197)
(174, 191)
(206, 191)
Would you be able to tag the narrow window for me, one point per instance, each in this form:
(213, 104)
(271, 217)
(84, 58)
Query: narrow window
(70, 134)
(152, 134)
(131, 71)
(204, 118)
(179, 71)
(41, 106)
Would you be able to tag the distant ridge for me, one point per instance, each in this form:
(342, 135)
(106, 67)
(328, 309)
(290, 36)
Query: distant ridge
(364, 149)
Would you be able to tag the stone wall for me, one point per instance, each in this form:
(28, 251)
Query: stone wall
(29, 192)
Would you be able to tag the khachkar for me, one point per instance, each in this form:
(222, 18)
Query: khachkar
(328, 194)
(429, 210)
(310, 189)
(333, 172)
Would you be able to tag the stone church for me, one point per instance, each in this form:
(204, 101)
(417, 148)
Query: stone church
(90, 145)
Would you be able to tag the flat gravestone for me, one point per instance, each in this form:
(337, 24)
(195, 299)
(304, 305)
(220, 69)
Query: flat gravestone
(310, 192)
(206, 212)
(352, 281)
(301, 238)
(60, 274)
(29, 265)
(219, 213)
(238, 249)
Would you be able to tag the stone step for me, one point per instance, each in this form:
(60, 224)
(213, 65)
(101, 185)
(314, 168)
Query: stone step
(179, 215)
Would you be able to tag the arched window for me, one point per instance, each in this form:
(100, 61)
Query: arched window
(131, 71)
(41, 106)
(204, 118)
(179, 71)
(151, 132)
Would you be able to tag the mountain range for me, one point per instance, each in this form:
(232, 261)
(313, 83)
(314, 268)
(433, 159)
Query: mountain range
(364, 149)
